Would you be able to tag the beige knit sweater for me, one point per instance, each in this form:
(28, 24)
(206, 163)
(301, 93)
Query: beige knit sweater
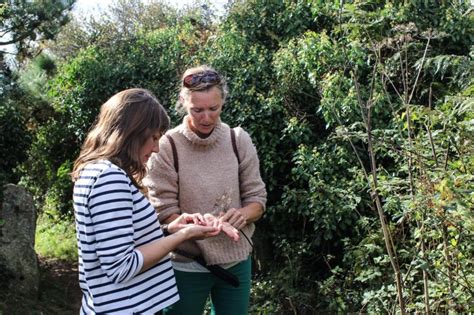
(208, 181)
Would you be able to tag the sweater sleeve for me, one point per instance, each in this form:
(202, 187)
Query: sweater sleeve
(252, 187)
(111, 209)
(162, 182)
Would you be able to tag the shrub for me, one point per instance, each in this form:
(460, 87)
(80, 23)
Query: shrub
(56, 237)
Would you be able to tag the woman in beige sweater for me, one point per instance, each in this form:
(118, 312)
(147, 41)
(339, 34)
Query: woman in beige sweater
(201, 169)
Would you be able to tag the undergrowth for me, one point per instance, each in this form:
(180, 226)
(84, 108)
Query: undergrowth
(56, 238)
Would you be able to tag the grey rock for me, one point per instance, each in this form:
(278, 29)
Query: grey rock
(19, 272)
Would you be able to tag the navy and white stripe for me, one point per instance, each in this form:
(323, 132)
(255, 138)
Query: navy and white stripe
(112, 219)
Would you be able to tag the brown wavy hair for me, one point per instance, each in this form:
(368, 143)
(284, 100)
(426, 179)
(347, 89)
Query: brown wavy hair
(120, 130)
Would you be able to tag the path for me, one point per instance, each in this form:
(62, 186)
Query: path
(59, 292)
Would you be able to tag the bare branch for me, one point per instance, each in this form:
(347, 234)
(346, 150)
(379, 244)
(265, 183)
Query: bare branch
(419, 70)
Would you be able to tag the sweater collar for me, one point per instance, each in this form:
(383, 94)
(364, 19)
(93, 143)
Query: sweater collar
(213, 138)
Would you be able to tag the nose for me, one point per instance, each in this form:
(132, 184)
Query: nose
(206, 115)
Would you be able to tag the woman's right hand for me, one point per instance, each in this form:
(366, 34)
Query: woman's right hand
(198, 232)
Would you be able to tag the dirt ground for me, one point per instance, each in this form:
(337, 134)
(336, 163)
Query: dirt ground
(59, 292)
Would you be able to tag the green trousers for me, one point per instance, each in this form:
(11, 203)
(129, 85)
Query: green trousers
(195, 287)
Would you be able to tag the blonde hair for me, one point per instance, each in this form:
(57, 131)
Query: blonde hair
(123, 125)
(201, 86)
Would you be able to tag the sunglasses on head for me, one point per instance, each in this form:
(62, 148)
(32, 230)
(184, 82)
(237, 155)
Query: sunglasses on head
(192, 80)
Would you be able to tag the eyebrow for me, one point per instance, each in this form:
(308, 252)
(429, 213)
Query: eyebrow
(216, 105)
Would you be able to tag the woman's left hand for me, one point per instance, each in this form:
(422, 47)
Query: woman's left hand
(235, 218)
(187, 218)
(227, 228)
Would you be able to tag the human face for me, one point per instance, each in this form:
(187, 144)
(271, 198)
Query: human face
(150, 146)
(204, 109)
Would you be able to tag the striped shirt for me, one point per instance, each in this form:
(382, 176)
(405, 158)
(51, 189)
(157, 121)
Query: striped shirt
(113, 218)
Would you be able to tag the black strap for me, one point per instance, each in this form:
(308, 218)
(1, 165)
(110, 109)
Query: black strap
(223, 274)
(175, 161)
(234, 144)
(236, 152)
(175, 153)
(216, 270)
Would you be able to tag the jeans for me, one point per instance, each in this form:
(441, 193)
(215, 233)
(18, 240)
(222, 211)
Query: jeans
(195, 287)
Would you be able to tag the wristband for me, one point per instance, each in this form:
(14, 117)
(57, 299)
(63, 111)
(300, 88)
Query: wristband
(164, 228)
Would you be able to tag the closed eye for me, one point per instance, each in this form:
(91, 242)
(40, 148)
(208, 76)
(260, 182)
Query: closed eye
(156, 137)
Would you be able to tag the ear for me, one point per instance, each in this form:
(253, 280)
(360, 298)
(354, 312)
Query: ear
(181, 99)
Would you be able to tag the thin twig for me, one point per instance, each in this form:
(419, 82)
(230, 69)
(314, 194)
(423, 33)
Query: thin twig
(419, 70)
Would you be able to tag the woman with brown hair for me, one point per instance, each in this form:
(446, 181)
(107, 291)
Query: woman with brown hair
(123, 254)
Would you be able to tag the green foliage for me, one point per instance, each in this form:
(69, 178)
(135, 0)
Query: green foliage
(23, 22)
(56, 238)
(123, 21)
(303, 77)
(332, 65)
(47, 154)
(269, 22)
(262, 297)
(14, 138)
(33, 81)
(341, 100)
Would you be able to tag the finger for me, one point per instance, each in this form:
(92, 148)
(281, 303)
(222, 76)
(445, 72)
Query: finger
(208, 218)
(211, 220)
(237, 220)
(195, 218)
(200, 219)
(226, 216)
(217, 224)
(232, 216)
(187, 218)
(231, 232)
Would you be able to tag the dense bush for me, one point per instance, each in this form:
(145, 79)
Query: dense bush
(14, 138)
(362, 117)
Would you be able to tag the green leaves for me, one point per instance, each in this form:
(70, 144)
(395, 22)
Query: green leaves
(28, 20)
(303, 78)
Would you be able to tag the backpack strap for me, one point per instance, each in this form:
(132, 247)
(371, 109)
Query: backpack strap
(234, 144)
(175, 153)
(175, 162)
(236, 152)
